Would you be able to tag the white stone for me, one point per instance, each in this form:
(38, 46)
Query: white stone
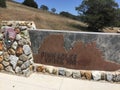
(13, 60)
(68, 73)
(109, 76)
(5, 63)
(96, 75)
(27, 72)
(1, 36)
(18, 37)
(14, 45)
(9, 69)
(17, 69)
(1, 52)
(27, 49)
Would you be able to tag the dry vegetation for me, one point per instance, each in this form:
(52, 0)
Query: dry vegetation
(42, 19)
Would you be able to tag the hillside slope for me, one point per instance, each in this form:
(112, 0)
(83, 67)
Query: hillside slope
(42, 19)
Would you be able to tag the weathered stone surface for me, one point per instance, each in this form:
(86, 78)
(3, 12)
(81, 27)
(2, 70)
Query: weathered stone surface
(6, 56)
(68, 73)
(1, 67)
(27, 49)
(9, 69)
(40, 68)
(27, 72)
(96, 75)
(109, 76)
(23, 57)
(103, 76)
(5, 63)
(19, 51)
(61, 72)
(1, 58)
(17, 30)
(17, 69)
(14, 45)
(30, 56)
(11, 51)
(13, 60)
(117, 79)
(1, 45)
(18, 37)
(76, 74)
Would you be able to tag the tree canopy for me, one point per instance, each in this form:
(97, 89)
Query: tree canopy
(44, 7)
(98, 13)
(3, 3)
(30, 3)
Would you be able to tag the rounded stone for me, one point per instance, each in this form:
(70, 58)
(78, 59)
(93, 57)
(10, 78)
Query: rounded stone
(109, 76)
(17, 69)
(40, 68)
(19, 51)
(88, 75)
(6, 56)
(14, 45)
(1, 45)
(23, 57)
(1, 67)
(13, 60)
(96, 75)
(19, 63)
(27, 49)
(1, 58)
(22, 42)
(76, 74)
(1, 52)
(5, 63)
(68, 73)
(1, 36)
(18, 37)
(11, 51)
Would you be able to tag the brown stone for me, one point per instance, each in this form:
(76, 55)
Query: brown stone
(1, 67)
(1, 58)
(40, 68)
(88, 75)
(19, 51)
(17, 30)
(1, 45)
(11, 51)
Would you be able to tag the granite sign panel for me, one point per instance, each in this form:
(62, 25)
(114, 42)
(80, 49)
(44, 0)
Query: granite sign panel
(76, 50)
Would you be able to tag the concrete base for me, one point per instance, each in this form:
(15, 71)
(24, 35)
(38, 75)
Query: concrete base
(46, 82)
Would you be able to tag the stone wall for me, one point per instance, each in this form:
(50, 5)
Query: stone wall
(76, 50)
(15, 48)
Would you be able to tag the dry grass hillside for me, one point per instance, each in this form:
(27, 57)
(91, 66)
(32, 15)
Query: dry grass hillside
(42, 19)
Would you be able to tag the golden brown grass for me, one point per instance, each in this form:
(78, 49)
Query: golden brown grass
(42, 19)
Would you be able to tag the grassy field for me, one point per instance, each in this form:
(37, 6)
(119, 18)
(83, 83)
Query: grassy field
(42, 19)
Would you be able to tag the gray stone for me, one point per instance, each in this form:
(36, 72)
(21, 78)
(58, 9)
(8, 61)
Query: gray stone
(6, 56)
(9, 69)
(118, 78)
(17, 69)
(22, 41)
(5, 63)
(13, 60)
(14, 45)
(76, 74)
(30, 56)
(31, 61)
(25, 65)
(61, 72)
(18, 37)
(27, 72)
(27, 49)
(68, 73)
(96, 75)
(109, 76)
(23, 57)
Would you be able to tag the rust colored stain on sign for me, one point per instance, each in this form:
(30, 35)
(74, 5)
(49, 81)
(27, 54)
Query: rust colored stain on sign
(81, 56)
